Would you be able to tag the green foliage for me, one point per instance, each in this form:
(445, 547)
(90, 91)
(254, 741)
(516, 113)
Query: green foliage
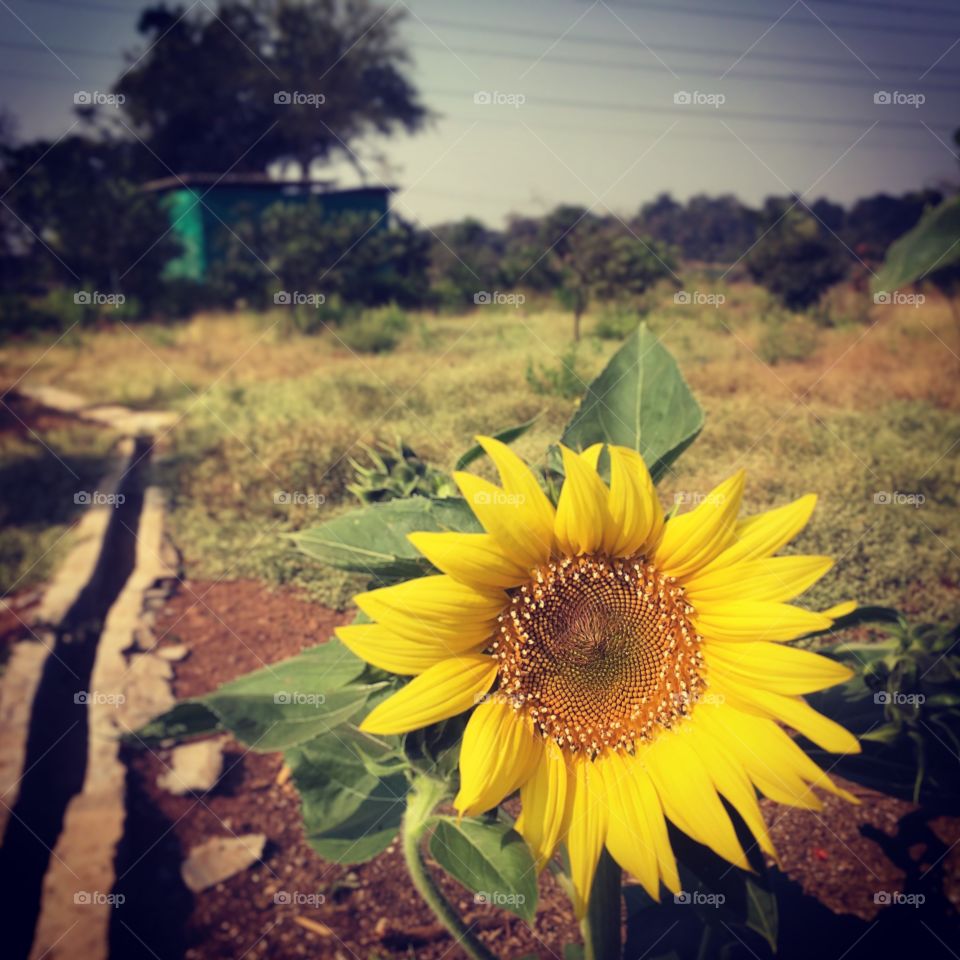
(373, 540)
(376, 330)
(904, 706)
(353, 793)
(490, 859)
(929, 250)
(787, 337)
(224, 114)
(591, 258)
(797, 261)
(504, 436)
(565, 379)
(640, 401)
(396, 473)
(616, 323)
(81, 221)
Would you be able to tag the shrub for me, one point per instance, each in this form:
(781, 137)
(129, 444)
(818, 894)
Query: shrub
(563, 380)
(616, 323)
(375, 331)
(788, 338)
(796, 263)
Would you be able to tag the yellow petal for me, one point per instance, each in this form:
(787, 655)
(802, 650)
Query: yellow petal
(502, 515)
(434, 607)
(387, 650)
(692, 540)
(499, 753)
(775, 667)
(772, 578)
(730, 779)
(764, 534)
(739, 620)
(587, 831)
(629, 839)
(446, 689)
(636, 518)
(535, 511)
(841, 609)
(794, 712)
(582, 515)
(771, 758)
(688, 795)
(546, 802)
(591, 456)
(474, 559)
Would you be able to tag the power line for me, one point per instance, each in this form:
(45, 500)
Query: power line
(572, 61)
(794, 21)
(595, 40)
(653, 5)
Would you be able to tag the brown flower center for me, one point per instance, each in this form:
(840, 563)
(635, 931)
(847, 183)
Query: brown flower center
(600, 652)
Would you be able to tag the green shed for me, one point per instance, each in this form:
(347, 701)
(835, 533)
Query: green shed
(203, 208)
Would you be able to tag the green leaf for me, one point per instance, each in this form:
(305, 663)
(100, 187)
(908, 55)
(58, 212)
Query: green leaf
(189, 718)
(728, 895)
(293, 701)
(373, 540)
(641, 401)
(353, 793)
(489, 859)
(930, 246)
(505, 436)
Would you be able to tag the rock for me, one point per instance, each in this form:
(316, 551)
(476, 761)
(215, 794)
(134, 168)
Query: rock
(175, 652)
(194, 767)
(220, 858)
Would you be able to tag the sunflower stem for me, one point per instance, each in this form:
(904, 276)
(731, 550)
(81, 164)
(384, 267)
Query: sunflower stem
(425, 794)
(601, 925)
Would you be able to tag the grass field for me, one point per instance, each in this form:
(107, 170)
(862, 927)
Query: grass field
(853, 411)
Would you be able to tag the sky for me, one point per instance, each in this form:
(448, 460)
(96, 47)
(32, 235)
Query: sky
(604, 104)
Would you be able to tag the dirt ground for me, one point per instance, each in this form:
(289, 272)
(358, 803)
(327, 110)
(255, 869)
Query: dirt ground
(370, 910)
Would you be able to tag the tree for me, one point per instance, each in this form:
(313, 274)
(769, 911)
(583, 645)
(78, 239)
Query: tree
(80, 219)
(465, 259)
(259, 83)
(594, 258)
(796, 261)
(359, 259)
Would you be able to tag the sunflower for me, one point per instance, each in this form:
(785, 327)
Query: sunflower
(623, 669)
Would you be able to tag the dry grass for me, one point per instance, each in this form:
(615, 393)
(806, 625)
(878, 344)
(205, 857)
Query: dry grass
(871, 408)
